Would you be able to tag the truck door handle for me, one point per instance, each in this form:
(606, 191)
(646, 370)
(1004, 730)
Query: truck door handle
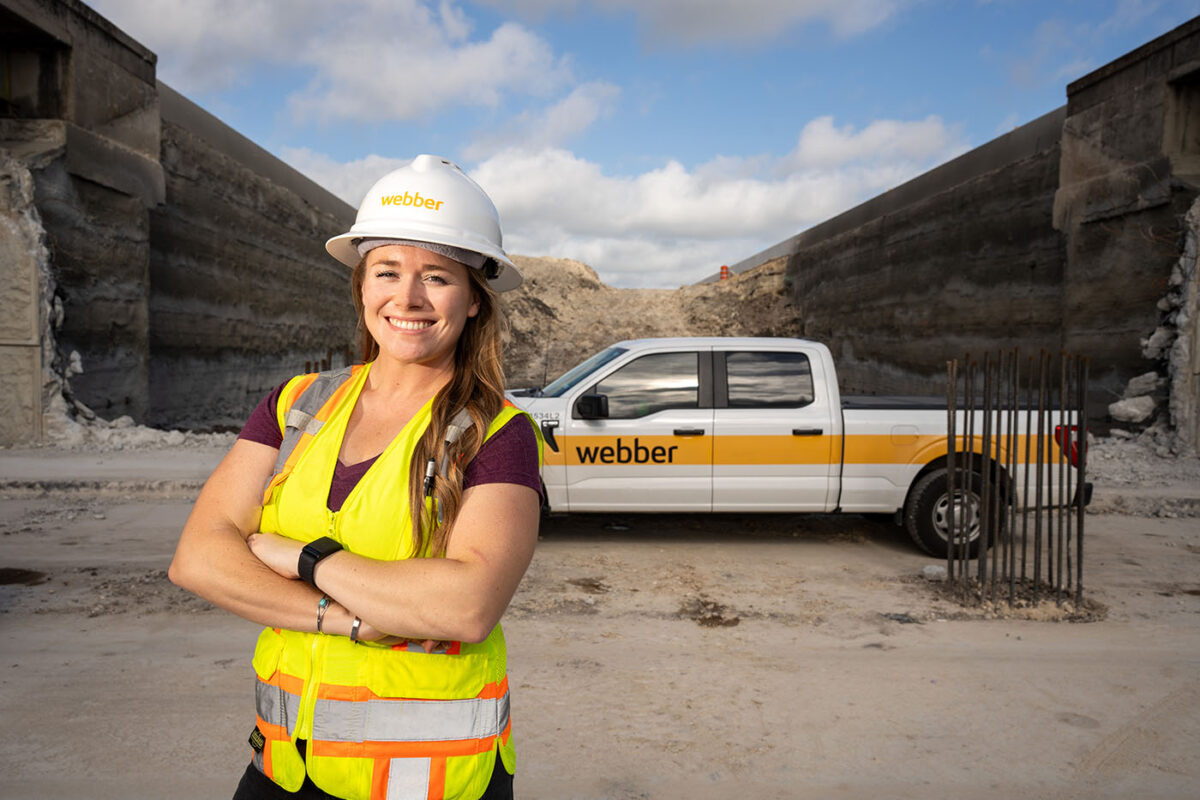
(689, 431)
(806, 431)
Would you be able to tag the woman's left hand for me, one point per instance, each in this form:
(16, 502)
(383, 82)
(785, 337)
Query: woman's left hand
(279, 553)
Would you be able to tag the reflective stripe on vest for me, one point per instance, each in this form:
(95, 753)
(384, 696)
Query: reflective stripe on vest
(473, 724)
(277, 708)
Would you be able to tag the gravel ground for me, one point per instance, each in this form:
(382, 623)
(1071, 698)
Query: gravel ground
(652, 656)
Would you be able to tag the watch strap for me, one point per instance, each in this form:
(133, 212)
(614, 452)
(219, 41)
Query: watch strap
(312, 553)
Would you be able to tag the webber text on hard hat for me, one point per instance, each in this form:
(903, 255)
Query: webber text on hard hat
(413, 199)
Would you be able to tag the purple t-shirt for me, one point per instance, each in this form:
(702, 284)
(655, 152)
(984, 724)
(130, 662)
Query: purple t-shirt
(510, 456)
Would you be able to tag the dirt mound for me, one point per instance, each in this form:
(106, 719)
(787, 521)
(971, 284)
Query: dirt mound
(563, 313)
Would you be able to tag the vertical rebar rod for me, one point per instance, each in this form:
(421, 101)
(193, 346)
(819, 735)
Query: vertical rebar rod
(968, 483)
(1026, 470)
(1059, 501)
(1082, 482)
(1069, 445)
(1037, 518)
(997, 539)
(987, 531)
(994, 518)
(1047, 434)
(985, 467)
(1010, 523)
(951, 428)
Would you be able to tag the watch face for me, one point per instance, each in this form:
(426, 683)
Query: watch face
(322, 547)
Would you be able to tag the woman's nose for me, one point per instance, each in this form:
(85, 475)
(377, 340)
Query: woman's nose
(411, 293)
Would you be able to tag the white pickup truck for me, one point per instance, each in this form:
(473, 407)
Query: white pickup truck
(748, 425)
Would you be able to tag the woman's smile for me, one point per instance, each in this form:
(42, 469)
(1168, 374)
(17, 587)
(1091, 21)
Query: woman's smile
(414, 325)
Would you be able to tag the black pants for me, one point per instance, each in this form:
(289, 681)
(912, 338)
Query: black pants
(256, 786)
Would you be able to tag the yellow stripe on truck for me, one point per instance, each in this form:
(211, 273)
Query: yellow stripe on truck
(592, 451)
(773, 450)
(923, 449)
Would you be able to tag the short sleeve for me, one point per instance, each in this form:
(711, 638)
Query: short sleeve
(510, 456)
(263, 426)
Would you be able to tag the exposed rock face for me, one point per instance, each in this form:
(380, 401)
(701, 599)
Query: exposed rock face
(1182, 303)
(26, 337)
(563, 313)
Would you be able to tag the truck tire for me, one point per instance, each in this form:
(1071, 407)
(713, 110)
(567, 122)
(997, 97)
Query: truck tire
(927, 513)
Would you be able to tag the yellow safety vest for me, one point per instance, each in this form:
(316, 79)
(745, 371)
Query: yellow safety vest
(380, 722)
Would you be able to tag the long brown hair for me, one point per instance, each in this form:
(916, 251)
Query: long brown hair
(477, 386)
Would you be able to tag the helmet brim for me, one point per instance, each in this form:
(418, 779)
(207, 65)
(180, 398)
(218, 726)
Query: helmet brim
(345, 249)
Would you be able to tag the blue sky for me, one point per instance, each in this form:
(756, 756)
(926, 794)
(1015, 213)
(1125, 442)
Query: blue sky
(654, 140)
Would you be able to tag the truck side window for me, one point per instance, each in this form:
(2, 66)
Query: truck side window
(652, 383)
(768, 380)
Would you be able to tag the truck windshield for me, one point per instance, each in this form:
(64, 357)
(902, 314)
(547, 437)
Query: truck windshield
(564, 382)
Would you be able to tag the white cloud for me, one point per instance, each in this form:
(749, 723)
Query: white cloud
(348, 180)
(419, 75)
(673, 225)
(368, 59)
(689, 22)
(550, 127)
(883, 141)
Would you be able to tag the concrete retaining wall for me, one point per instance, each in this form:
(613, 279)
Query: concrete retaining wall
(962, 259)
(244, 294)
(185, 272)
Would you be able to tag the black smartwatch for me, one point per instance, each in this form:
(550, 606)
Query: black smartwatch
(313, 552)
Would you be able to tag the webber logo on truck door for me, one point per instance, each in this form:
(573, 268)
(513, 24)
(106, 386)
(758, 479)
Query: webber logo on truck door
(625, 453)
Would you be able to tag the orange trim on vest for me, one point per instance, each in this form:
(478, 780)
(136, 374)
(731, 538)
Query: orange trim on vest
(289, 683)
(437, 779)
(287, 399)
(447, 749)
(272, 732)
(380, 768)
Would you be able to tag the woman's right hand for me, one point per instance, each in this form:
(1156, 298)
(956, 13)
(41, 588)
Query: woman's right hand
(369, 633)
(279, 553)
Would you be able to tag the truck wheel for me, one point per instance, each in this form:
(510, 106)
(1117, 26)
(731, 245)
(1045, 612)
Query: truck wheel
(927, 514)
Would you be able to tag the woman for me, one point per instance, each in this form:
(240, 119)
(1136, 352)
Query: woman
(399, 515)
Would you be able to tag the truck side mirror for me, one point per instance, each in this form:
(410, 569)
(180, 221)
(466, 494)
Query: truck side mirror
(592, 406)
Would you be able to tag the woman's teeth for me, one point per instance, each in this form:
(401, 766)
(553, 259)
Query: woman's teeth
(409, 325)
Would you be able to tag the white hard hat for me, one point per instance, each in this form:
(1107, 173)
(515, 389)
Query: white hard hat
(431, 199)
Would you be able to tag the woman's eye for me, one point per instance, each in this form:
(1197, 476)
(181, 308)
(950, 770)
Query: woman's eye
(385, 273)
(438, 279)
